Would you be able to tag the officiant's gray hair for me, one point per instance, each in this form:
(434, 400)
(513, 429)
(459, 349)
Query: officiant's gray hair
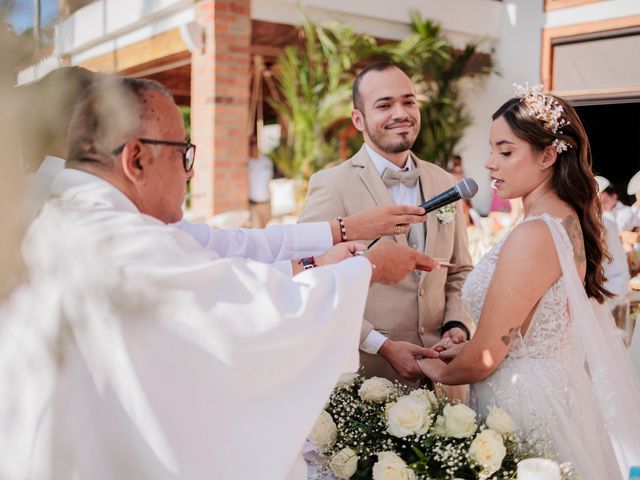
(112, 112)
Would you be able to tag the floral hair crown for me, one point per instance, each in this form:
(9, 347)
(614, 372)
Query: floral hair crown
(544, 108)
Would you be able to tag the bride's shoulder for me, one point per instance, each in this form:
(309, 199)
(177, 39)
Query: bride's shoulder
(530, 241)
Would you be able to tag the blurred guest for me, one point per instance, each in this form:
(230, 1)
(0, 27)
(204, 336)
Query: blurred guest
(260, 174)
(616, 270)
(455, 168)
(612, 207)
(480, 241)
(499, 204)
(633, 188)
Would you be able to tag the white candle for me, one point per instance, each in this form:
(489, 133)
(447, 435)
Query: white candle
(538, 469)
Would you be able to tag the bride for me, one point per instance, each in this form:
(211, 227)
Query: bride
(545, 349)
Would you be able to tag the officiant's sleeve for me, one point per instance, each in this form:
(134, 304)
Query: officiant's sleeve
(454, 307)
(272, 244)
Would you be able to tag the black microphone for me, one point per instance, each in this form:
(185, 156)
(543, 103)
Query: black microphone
(465, 188)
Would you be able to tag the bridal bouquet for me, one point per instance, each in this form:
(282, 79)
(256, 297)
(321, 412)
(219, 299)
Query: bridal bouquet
(375, 429)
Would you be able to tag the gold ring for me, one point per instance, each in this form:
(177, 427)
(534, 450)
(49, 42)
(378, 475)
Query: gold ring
(399, 229)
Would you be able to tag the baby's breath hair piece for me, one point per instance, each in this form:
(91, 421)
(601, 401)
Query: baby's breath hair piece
(544, 108)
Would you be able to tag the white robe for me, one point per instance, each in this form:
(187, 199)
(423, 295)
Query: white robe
(136, 353)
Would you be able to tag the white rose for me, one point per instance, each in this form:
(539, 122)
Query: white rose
(407, 416)
(488, 451)
(391, 467)
(344, 463)
(500, 421)
(459, 421)
(427, 395)
(439, 426)
(346, 380)
(375, 389)
(324, 432)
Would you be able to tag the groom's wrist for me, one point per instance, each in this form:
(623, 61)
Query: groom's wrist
(454, 324)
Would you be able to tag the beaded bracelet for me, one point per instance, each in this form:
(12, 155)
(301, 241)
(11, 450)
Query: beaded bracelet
(343, 230)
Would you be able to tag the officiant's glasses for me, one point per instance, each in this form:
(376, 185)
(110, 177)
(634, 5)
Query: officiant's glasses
(188, 154)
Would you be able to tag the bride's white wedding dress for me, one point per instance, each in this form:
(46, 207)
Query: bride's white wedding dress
(567, 380)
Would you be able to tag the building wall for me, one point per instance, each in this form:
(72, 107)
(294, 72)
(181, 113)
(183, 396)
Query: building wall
(517, 55)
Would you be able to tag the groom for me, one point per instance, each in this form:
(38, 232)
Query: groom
(401, 321)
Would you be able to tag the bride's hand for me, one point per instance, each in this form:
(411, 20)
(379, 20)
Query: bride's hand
(432, 368)
(450, 353)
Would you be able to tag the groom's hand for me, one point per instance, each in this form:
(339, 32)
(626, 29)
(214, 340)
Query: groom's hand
(402, 356)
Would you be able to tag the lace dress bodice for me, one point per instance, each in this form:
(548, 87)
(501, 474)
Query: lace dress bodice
(548, 333)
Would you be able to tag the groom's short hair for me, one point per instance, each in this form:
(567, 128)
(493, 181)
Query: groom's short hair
(372, 67)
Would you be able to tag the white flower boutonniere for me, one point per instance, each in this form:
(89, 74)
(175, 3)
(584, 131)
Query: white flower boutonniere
(446, 214)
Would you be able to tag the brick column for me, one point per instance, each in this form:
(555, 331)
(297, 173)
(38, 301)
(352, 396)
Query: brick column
(220, 107)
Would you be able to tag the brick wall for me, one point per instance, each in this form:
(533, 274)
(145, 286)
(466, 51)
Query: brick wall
(220, 107)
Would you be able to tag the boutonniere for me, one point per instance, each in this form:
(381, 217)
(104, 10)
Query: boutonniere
(446, 214)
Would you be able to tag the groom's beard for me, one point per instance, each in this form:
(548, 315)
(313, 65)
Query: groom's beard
(388, 144)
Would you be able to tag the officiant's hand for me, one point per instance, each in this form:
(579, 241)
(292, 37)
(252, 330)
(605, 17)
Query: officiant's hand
(379, 221)
(402, 357)
(392, 262)
(340, 252)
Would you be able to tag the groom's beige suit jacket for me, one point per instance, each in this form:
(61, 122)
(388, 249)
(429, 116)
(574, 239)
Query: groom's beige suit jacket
(415, 309)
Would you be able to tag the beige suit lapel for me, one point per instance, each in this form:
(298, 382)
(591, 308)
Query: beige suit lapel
(430, 189)
(374, 184)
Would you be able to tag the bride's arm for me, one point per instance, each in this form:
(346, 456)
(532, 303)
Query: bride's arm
(527, 266)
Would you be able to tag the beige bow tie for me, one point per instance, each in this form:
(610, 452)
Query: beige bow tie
(393, 177)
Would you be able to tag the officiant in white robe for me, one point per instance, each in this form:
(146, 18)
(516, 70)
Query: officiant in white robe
(133, 352)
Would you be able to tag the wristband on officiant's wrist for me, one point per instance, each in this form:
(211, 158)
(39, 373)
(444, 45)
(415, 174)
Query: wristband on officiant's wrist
(308, 262)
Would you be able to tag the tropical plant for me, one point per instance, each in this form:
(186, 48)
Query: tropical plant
(441, 72)
(315, 86)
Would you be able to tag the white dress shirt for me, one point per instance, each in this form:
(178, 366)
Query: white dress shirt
(402, 195)
(278, 244)
(617, 270)
(623, 216)
(135, 353)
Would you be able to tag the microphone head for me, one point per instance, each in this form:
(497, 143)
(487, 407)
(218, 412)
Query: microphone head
(467, 187)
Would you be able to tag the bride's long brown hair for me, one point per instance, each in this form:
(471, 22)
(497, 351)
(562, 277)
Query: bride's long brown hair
(572, 179)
